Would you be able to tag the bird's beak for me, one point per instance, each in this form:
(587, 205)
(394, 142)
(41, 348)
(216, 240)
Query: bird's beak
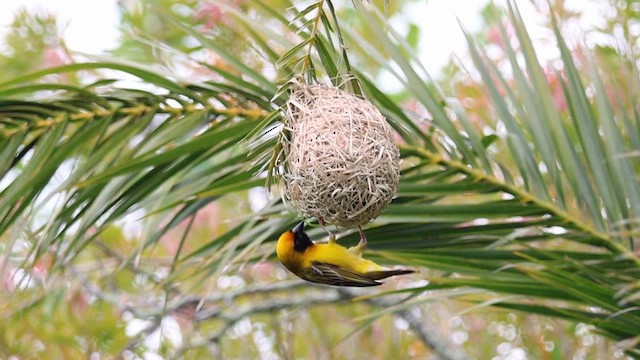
(298, 228)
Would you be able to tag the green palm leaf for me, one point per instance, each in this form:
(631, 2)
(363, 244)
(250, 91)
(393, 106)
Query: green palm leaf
(543, 213)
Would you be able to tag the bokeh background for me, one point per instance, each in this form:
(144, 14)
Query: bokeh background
(181, 264)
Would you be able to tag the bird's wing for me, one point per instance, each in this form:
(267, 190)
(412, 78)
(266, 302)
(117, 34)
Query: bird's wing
(333, 275)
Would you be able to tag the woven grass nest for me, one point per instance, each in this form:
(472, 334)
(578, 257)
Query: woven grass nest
(342, 165)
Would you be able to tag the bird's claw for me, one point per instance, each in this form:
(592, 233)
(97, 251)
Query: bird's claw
(362, 244)
(332, 236)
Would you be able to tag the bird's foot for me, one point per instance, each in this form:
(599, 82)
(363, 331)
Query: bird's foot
(362, 244)
(332, 236)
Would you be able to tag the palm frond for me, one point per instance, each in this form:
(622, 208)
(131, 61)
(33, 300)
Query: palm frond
(534, 203)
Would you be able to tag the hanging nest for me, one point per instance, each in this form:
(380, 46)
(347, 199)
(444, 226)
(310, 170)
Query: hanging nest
(342, 164)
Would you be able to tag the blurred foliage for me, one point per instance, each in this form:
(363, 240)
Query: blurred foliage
(33, 42)
(132, 221)
(145, 24)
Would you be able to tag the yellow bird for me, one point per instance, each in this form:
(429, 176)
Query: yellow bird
(329, 263)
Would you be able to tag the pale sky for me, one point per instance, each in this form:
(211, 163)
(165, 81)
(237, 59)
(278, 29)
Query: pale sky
(90, 26)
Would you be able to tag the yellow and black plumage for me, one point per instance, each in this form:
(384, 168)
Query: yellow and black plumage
(329, 263)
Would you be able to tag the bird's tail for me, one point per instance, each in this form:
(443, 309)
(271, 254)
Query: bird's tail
(383, 274)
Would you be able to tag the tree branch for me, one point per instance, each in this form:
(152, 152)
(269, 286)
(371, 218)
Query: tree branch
(419, 324)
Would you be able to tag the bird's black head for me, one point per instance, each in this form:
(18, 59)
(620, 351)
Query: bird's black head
(301, 240)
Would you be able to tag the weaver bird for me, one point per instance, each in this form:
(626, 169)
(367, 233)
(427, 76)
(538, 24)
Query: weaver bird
(329, 263)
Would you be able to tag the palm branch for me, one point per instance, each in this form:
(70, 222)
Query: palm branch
(532, 207)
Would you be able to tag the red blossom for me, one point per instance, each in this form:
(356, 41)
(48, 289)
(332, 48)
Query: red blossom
(56, 56)
(213, 14)
(557, 94)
